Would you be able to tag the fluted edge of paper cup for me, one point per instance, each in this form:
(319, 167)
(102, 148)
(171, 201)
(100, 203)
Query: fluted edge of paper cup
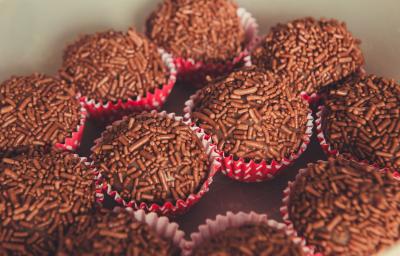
(222, 222)
(168, 208)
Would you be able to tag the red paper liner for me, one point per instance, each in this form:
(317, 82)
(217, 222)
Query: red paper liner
(222, 222)
(284, 210)
(330, 151)
(251, 171)
(100, 109)
(73, 142)
(168, 208)
(196, 71)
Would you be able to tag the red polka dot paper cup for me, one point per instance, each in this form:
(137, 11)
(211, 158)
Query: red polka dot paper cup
(230, 220)
(252, 171)
(169, 208)
(73, 142)
(196, 71)
(155, 100)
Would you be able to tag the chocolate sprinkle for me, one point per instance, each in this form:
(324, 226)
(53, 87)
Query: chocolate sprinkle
(208, 31)
(250, 239)
(36, 110)
(345, 208)
(41, 196)
(362, 118)
(114, 234)
(311, 53)
(151, 158)
(112, 66)
(252, 114)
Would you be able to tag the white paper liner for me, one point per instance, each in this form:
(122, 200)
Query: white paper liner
(250, 171)
(168, 208)
(222, 222)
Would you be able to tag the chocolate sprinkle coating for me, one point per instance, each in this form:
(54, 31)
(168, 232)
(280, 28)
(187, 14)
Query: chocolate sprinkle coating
(252, 114)
(250, 239)
(41, 195)
(36, 110)
(194, 29)
(151, 158)
(114, 234)
(311, 53)
(362, 118)
(112, 66)
(344, 208)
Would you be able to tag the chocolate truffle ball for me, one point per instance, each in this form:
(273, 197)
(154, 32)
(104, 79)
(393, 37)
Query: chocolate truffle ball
(362, 118)
(252, 114)
(345, 208)
(311, 53)
(112, 66)
(36, 110)
(114, 234)
(151, 158)
(207, 31)
(250, 239)
(41, 195)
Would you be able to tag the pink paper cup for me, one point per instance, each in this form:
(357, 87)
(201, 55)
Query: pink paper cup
(252, 171)
(104, 110)
(196, 71)
(168, 208)
(223, 222)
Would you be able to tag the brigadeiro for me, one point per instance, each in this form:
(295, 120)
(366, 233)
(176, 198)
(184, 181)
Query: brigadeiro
(155, 161)
(245, 234)
(42, 194)
(361, 117)
(342, 207)
(122, 233)
(39, 110)
(192, 31)
(311, 53)
(117, 71)
(259, 123)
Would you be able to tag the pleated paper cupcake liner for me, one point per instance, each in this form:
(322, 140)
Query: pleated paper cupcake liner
(168, 208)
(155, 100)
(196, 71)
(161, 225)
(223, 222)
(252, 171)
